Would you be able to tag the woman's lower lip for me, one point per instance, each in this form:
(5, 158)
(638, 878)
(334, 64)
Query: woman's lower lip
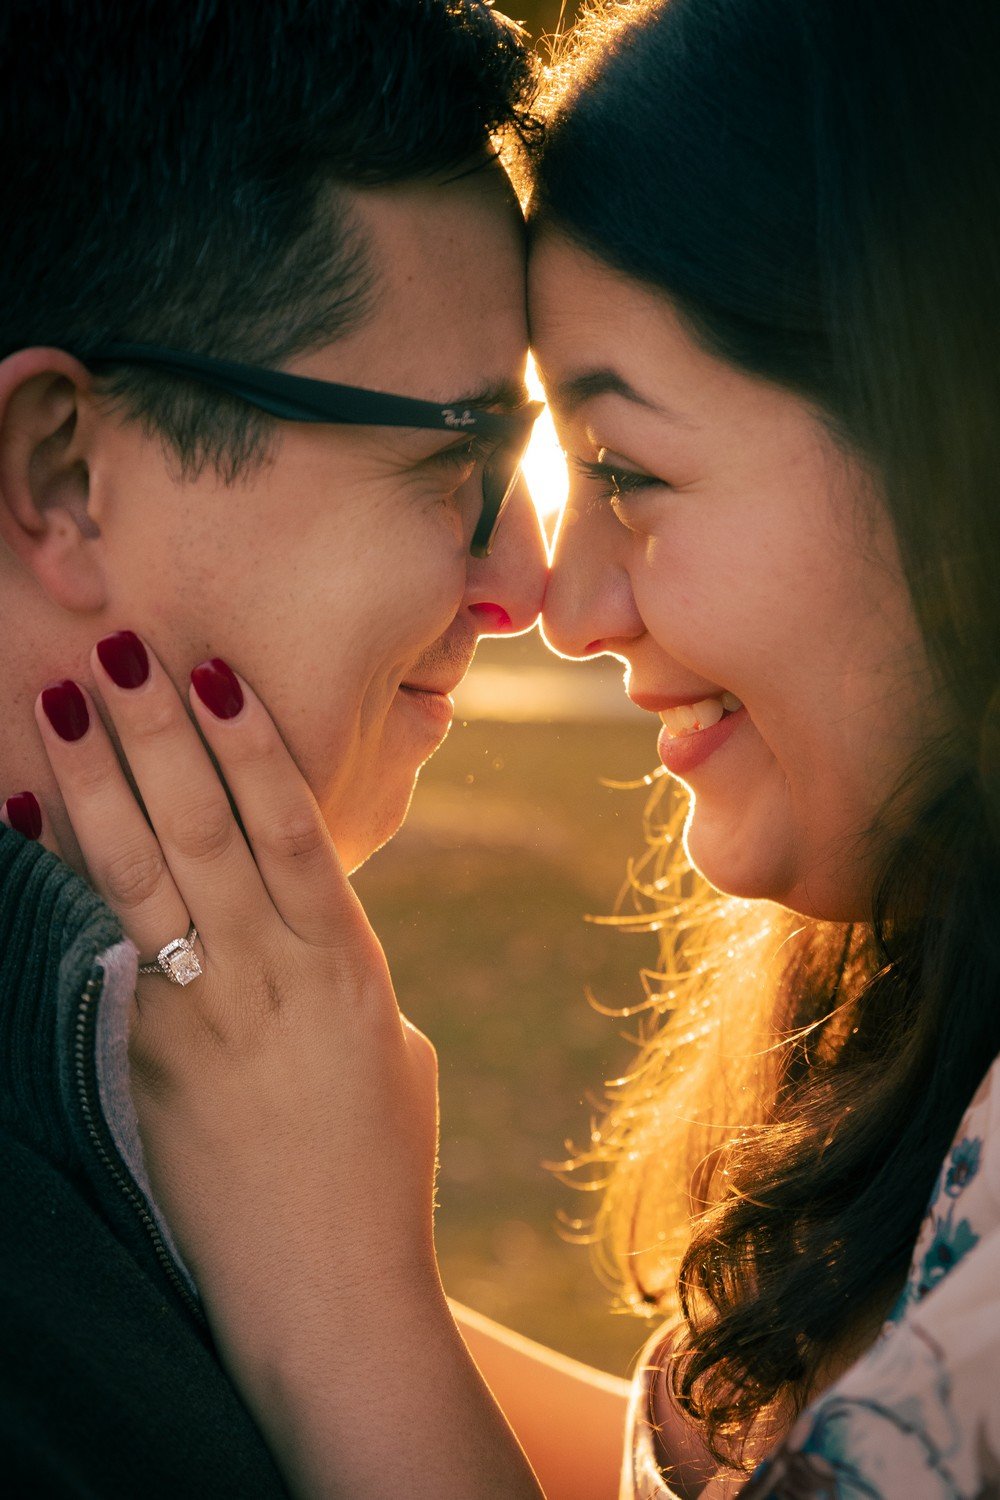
(437, 706)
(682, 755)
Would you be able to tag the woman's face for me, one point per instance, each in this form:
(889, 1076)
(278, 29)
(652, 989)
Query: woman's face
(718, 542)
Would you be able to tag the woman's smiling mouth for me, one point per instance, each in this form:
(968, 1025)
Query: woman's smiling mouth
(692, 730)
(691, 718)
(682, 751)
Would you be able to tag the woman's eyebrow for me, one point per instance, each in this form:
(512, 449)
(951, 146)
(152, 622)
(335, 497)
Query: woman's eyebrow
(568, 395)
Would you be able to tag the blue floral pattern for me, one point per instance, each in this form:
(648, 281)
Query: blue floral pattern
(962, 1166)
(945, 1236)
(899, 1437)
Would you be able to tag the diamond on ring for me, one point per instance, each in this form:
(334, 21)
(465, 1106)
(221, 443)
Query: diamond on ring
(177, 960)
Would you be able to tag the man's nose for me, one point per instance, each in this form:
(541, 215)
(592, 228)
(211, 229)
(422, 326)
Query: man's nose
(589, 606)
(506, 589)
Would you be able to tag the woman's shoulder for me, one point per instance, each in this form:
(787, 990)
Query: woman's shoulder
(642, 1474)
(665, 1456)
(919, 1413)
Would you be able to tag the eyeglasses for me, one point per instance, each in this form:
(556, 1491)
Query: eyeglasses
(296, 398)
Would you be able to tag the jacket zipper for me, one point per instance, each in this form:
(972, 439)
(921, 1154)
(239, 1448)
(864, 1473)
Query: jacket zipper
(90, 1109)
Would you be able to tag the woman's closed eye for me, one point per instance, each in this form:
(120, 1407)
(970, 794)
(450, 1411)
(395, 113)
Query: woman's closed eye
(615, 481)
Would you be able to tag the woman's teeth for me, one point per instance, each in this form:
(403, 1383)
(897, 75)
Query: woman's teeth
(692, 717)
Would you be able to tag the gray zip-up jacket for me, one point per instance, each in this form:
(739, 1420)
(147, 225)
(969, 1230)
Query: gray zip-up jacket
(109, 1382)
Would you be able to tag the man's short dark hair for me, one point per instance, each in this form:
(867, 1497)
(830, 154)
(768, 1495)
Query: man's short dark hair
(173, 172)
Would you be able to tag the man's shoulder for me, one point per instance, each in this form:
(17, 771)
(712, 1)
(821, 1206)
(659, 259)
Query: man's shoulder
(105, 1386)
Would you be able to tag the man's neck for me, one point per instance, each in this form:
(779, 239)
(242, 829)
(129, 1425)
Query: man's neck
(41, 646)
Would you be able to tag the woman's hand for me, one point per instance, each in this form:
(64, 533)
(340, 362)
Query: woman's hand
(295, 985)
(288, 1110)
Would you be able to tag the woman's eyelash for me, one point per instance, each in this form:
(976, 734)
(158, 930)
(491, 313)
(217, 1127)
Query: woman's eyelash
(613, 481)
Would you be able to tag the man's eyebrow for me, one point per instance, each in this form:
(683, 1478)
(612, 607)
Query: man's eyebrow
(570, 394)
(508, 395)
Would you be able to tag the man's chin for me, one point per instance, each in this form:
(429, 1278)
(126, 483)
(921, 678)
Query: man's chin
(358, 843)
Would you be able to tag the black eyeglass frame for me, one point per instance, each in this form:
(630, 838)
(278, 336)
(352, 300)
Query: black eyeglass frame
(299, 398)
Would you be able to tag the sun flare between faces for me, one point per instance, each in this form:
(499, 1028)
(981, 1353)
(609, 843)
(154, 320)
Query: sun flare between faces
(544, 464)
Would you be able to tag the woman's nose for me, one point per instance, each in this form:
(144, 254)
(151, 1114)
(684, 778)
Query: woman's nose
(588, 606)
(506, 589)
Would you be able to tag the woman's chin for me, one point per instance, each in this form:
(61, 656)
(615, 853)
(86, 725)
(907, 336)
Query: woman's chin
(736, 861)
(770, 869)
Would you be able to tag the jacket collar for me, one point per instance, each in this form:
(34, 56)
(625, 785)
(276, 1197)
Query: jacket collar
(53, 927)
(58, 943)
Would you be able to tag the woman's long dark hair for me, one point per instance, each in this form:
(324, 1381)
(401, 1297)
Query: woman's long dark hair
(816, 185)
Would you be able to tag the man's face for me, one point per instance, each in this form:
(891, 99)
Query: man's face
(337, 579)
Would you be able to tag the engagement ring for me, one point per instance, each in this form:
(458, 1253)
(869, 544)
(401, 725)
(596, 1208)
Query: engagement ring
(177, 960)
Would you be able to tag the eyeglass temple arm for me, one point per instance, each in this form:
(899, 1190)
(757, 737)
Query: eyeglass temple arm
(297, 398)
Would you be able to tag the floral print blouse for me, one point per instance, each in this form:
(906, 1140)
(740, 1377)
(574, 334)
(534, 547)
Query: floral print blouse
(918, 1416)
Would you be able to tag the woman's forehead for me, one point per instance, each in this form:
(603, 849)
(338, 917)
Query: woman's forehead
(596, 331)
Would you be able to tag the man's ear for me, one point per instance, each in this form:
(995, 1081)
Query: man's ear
(46, 420)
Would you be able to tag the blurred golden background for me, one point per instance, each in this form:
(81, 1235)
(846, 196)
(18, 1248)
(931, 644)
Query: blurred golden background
(480, 902)
(542, 18)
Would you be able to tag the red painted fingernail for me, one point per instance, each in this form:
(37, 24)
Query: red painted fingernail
(495, 615)
(124, 658)
(66, 709)
(24, 814)
(218, 688)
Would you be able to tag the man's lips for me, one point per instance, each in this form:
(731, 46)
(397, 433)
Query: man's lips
(438, 671)
(438, 690)
(440, 684)
(430, 702)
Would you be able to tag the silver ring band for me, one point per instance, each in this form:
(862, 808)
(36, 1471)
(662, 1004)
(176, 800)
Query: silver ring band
(177, 960)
